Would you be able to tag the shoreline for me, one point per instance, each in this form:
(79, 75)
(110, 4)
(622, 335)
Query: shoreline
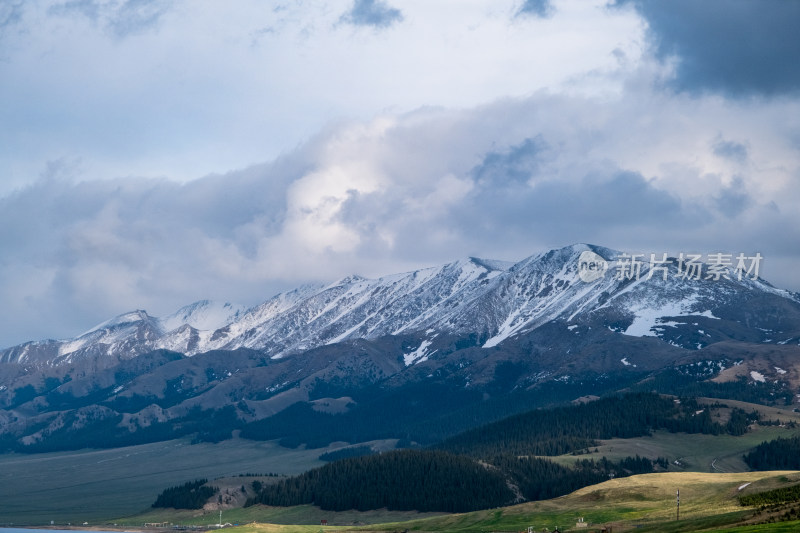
(132, 529)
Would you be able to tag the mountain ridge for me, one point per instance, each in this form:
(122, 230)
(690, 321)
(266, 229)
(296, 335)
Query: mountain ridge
(415, 356)
(493, 299)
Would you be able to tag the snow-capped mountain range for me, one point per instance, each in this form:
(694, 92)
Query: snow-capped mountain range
(466, 342)
(493, 300)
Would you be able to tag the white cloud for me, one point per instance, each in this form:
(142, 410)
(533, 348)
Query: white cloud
(197, 87)
(403, 191)
(459, 130)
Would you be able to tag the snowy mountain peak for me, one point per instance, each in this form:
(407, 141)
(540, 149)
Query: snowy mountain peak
(476, 298)
(125, 319)
(202, 315)
(347, 280)
(492, 264)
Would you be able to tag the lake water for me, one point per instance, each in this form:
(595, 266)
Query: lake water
(26, 530)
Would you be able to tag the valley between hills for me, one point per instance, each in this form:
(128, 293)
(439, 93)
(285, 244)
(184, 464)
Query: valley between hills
(474, 396)
(114, 488)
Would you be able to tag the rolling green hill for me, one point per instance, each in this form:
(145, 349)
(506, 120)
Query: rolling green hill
(647, 502)
(107, 485)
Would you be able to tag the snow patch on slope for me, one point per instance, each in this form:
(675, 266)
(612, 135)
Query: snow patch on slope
(649, 317)
(495, 299)
(419, 355)
(203, 315)
(120, 320)
(110, 332)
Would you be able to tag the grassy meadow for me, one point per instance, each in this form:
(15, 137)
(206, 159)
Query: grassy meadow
(96, 486)
(645, 503)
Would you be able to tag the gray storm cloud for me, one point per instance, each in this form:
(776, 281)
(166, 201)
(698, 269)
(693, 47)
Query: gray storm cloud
(395, 193)
(394, 140)
(737, 47)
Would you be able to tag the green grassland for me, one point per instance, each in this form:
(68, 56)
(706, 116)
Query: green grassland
(99, 485)
(697, 452)
(646, 503)
(108, 486)
(301, 515)
(694, 453)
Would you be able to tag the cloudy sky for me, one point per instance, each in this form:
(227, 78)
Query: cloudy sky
(157, 152)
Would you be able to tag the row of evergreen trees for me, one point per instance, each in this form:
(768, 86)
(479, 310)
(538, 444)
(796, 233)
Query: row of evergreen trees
(778, 454)
(431, 480)
(541, 479)
(682, 381)
(565, 429)
(190, 495)
(397, 480)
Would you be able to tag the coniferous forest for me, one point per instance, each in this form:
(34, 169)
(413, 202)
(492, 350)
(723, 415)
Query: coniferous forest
(398, 480)
(190, 495)
(778, 454)
(432, 480)
(565, 429)
(494, 465)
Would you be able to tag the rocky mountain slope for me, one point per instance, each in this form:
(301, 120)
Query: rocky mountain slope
(417, 355)
(491, 299)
